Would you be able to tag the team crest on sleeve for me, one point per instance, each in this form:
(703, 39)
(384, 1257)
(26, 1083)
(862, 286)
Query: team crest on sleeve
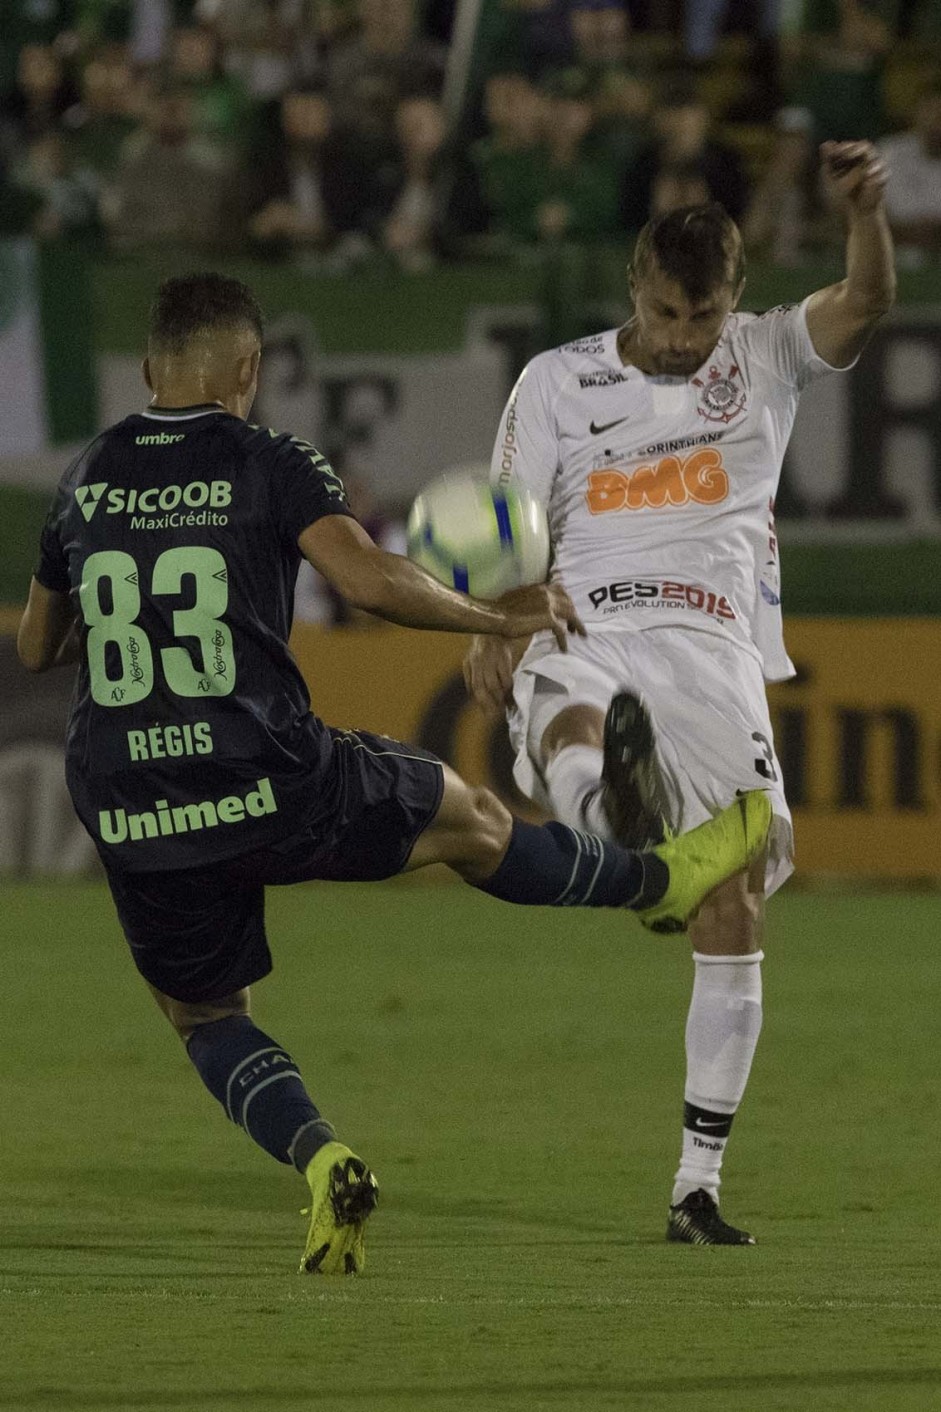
(722, 396)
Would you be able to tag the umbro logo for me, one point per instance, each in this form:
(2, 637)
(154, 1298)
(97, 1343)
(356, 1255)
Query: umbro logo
(88, 496)
(160, 438)
(598, 430)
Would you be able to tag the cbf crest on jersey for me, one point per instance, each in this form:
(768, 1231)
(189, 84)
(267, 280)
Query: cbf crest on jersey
(722, 398)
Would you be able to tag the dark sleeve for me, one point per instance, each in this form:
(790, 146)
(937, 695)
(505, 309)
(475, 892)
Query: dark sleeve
(304, 487)
(52, 570)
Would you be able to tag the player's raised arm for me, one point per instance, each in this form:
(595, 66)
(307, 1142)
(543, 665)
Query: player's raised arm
(396, 589)
(841, 317)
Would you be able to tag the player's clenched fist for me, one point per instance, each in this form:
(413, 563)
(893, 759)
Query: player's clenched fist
(856, 173)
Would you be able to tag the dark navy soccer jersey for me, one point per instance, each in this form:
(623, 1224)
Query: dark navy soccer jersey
(190, 738)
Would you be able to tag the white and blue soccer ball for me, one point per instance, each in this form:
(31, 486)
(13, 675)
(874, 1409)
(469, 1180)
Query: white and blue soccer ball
(479, 538)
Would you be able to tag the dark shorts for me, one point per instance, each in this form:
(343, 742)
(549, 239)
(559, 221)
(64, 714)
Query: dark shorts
(199, 933)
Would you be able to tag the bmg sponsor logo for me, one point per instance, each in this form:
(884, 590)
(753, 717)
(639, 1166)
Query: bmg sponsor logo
(672, 481)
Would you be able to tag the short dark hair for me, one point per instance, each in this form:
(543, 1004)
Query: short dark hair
(200, 303)
(698, 246)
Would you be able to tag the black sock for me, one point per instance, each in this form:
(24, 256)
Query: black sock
(259, 1086)
(556, 866)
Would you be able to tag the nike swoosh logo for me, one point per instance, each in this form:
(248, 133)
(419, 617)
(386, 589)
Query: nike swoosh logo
(698, 1123)
(605, 426)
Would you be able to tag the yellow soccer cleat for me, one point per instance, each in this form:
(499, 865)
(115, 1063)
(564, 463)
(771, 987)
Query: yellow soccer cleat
(343, 1193)
(703, 858)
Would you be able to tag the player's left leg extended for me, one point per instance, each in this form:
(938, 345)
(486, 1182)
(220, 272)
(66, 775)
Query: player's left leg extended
(554, 865)
(260, 1087)
(722, 1032)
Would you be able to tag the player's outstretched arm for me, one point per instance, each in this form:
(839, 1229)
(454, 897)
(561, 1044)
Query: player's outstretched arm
(394, 588)
(841, 317)
(48, 632)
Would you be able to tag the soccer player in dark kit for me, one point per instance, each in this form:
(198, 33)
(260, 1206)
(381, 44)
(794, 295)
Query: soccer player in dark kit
(166, 569)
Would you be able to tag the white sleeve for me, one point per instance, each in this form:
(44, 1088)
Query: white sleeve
(527, 445)
(781, 341)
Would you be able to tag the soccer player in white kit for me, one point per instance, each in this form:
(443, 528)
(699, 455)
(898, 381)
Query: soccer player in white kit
(656, 449)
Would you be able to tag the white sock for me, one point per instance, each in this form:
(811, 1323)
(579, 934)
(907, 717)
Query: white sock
(573, 782)
(722, 1031)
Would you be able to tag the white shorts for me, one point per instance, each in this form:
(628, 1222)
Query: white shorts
(706, 698)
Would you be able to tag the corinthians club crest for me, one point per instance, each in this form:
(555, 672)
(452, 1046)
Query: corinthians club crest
(722, 398)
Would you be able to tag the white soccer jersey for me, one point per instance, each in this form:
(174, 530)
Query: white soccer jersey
(660, 489)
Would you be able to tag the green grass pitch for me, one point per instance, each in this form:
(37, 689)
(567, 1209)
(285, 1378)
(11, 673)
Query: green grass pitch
(515, 1079)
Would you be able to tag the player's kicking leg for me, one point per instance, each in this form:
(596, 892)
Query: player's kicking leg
(554, 865)
(634, 794)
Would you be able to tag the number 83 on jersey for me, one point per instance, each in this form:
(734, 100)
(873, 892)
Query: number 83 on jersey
(131, 652)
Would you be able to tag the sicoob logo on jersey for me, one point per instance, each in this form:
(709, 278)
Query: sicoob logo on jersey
(722, 398)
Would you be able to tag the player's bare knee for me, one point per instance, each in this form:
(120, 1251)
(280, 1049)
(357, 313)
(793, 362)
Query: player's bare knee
(576, 725)
(186, 1016)
(484, 838)
(494, 823)
(730, 921)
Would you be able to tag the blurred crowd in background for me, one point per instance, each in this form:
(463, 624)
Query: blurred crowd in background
(333, 131)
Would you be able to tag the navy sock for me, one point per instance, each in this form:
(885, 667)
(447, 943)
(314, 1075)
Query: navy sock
(557, 866)
(259, 1086)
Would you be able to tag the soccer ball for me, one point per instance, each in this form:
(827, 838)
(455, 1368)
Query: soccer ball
(479, 538)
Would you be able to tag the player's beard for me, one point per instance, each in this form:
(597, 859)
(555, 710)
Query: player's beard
(633, 349)
(683, 365)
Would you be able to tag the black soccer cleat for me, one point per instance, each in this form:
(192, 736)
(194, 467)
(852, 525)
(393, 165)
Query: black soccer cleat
(696, 1221)
(634, 796)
